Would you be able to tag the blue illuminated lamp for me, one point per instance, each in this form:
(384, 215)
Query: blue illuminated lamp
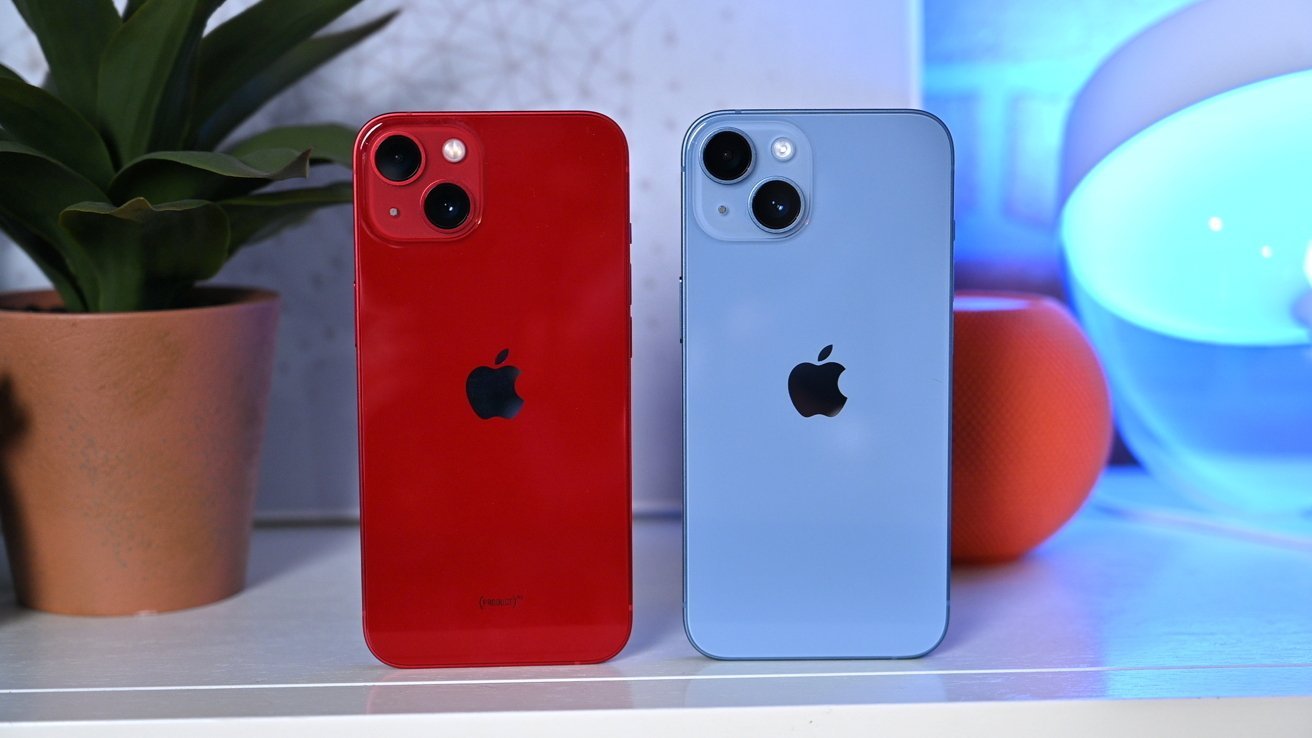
(1188, 233)
(1200, 227)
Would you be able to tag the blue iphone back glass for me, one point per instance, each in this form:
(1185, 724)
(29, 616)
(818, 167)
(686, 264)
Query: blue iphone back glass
(817, 389)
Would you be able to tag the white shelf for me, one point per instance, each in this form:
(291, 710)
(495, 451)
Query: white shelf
(1115, 621)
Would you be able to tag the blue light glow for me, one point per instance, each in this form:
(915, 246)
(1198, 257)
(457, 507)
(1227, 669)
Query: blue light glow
(1190, 253)
(1200, 227)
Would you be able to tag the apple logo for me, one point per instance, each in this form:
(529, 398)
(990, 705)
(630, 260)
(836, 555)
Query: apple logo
(814, 387)
(492, 391)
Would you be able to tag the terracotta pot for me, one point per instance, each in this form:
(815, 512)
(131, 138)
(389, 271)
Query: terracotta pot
(129, 450)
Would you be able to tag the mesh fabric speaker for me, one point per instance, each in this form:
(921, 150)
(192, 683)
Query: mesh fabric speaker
(1031, 423)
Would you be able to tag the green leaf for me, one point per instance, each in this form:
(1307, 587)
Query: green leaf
(250, 41)
(51, 263)
(33, 190)
(216, 122)
(147, 256)
(132, 7)
(165, 176)
(257, 217)
(7, 73)
(141, 99)
(73, 34)
(328, 142)
(32, 116)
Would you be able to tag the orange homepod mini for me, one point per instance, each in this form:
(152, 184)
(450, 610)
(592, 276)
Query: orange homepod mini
(1031, 423)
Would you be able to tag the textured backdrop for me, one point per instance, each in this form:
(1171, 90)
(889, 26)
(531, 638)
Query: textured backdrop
(654, 67)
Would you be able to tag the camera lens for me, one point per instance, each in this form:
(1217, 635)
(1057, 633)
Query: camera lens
(727, 156)
(777, 205)
(447, 206)
(398, 158)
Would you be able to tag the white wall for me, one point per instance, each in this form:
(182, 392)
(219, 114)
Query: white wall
(653, 66)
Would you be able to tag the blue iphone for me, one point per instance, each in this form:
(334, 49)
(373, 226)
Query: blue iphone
(817, 378)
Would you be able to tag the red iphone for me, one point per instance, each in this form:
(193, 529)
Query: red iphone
(493, 335)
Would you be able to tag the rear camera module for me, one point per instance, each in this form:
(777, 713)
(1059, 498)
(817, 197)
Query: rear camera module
(447, 206)
(397, 158)
(727, 156)
(776, 205)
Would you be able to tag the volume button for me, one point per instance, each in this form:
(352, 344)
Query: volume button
(680, 308)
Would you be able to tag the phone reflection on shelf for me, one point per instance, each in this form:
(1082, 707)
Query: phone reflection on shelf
(589, 687)
(811, 683)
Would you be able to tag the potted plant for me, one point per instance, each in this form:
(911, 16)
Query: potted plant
(132, 401)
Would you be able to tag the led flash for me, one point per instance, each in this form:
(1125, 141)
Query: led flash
(453, 150)
(783, 149)
(393, 212)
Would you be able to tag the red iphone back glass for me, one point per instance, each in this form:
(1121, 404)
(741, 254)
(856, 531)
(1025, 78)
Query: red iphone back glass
(502, 539)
